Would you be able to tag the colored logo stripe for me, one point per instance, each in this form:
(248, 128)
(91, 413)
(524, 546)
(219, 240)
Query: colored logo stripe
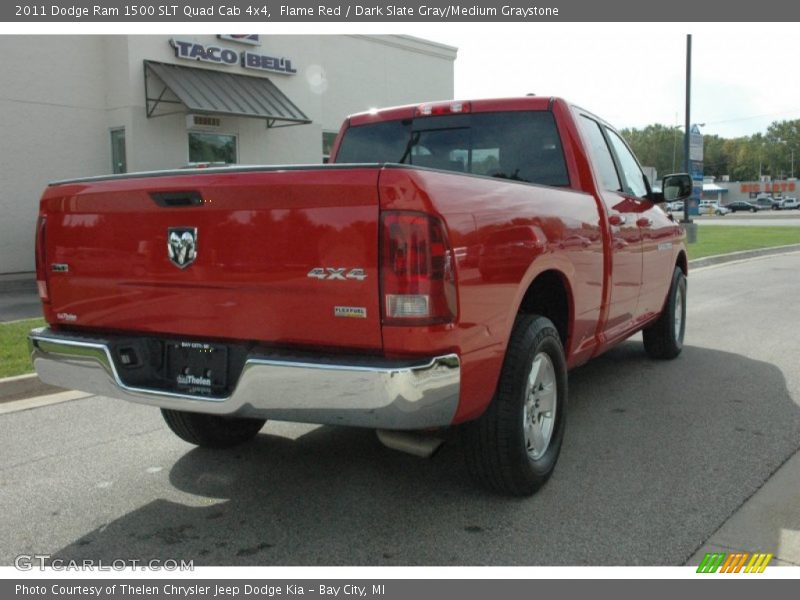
(733, 563)
(758, 563)
(711, 562)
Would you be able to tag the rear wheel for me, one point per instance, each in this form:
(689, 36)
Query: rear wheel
(513, 447)
(664, 338)
(211, 431)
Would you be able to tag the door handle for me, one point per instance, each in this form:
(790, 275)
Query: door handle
(617, 219)
(645, 222)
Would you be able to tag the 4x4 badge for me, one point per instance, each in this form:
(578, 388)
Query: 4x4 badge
(182, 245)
(342, 273)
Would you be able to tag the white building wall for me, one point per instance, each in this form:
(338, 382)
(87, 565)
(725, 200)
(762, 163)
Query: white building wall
(53, 120)
(60, 96)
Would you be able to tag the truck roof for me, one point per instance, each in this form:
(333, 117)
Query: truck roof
(408, 111)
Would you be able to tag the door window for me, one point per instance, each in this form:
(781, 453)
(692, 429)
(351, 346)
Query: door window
(632, 172)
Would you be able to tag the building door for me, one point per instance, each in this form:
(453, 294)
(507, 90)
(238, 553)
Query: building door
(119, 163)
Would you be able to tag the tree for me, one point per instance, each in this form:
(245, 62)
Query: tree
(742, 158)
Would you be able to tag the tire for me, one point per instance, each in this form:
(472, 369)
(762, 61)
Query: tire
(664, 338)
(211, 431)
(752, 210)
(500, 453)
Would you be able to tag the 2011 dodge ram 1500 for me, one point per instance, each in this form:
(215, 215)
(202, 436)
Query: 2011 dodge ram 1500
(448, 268)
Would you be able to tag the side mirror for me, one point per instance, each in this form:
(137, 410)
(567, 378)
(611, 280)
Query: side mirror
(677, 186)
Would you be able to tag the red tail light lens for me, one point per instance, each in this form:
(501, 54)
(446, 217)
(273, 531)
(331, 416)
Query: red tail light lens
(41, 259)
(417, 270)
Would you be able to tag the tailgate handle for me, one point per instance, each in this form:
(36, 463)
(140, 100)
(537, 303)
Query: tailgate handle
(172, 199)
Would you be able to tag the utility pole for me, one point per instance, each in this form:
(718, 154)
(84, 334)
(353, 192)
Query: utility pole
(686, 131)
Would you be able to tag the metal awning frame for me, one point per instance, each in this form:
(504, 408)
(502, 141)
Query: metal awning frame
(152, 103)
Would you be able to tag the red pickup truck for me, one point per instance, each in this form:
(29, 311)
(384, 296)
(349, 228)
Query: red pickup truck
(448, 268)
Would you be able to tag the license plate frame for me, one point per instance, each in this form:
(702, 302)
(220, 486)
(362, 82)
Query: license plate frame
(198, 367)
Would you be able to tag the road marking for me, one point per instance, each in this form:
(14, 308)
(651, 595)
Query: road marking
(40, 401)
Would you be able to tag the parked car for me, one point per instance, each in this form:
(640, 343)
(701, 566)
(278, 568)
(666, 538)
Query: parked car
(788, 203)
(675, 206)
(767, 203)
(742, 205)
(707, 207)
(398, 288)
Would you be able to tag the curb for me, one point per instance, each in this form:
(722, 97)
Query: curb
(24, 386)
(719, 259)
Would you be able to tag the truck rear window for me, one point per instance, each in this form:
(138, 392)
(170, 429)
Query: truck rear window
(521, 146)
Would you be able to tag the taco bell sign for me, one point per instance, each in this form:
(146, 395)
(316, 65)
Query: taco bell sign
(220, 55)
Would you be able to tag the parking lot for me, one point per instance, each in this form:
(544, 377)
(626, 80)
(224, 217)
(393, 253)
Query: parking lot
(658, 456)
(764, 218)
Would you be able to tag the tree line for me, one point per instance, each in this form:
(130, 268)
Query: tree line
(742, 158)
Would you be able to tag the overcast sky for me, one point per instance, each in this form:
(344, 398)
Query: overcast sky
(744, 77)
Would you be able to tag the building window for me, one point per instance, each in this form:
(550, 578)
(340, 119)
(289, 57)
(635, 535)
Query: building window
(212, 148)
(119, 163)
(328, 137)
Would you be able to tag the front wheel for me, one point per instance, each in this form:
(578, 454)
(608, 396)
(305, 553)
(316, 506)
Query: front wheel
(513, 447)
(211, 431)
(664, 338)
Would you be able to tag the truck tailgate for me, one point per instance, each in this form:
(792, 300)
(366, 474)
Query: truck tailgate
(283, 256)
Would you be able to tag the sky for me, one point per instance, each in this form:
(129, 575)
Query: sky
(634, 75)
(631, 74)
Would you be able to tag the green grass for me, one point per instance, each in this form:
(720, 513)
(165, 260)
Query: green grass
(14, 357)
(721, 239)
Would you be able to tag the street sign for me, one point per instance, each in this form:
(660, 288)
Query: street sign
(695, 143)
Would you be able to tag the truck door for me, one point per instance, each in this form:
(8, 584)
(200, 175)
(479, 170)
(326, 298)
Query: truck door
(626, 239)
(656, 229)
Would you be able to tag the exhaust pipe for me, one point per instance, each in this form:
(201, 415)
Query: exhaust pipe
(423, 445)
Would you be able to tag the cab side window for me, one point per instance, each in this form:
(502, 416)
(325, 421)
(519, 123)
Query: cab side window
(600, 155)
(634, 178)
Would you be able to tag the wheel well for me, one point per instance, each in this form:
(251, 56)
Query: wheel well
(681, 263)
(548, 295)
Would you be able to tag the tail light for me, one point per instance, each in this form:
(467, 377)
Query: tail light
(41, 259)
(417, 270)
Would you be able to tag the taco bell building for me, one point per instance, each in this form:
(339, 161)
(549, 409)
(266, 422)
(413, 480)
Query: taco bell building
(73, 106)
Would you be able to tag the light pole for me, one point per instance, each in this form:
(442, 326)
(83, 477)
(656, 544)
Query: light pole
(686, 163)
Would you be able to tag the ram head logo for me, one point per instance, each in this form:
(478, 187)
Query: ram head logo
(182, 245)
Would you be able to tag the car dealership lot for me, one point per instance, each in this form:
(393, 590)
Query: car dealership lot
(657, 457)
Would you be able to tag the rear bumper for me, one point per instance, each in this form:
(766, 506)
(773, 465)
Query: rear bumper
(365, 392)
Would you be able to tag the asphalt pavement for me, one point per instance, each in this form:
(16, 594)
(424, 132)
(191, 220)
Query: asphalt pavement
(18, 304)
(659, 459)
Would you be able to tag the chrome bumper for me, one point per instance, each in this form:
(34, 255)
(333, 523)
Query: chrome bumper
(364, 392)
